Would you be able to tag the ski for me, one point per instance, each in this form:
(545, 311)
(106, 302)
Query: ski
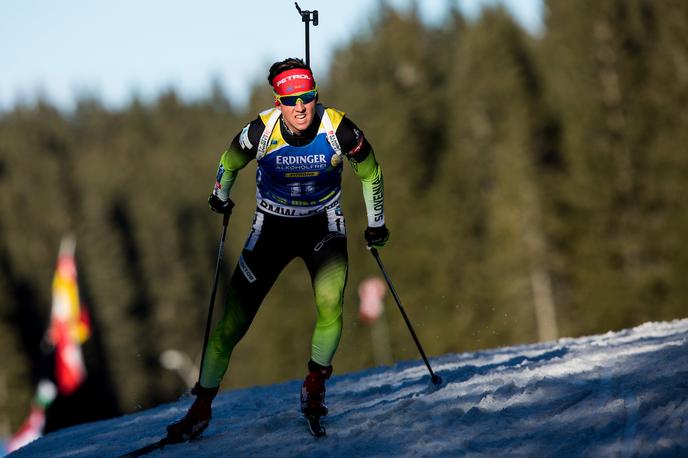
(314, 426)
(146, 449)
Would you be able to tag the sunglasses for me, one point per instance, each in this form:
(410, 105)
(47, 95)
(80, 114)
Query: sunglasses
(292, 99)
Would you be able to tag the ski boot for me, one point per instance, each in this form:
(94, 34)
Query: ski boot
(196, 419)
(313, 396)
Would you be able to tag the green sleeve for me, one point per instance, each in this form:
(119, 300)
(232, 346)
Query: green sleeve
(232, 160)
(370, 173)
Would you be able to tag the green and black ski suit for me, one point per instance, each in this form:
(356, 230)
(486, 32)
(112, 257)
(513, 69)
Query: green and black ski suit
(298, 214)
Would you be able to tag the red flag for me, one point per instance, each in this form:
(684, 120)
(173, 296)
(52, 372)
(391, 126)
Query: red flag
(31, 430)
(69, 326)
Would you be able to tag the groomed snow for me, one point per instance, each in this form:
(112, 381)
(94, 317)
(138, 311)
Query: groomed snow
(617, 394)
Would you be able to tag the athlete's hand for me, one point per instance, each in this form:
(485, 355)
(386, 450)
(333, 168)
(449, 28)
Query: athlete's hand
(376, 236)
(224, 207)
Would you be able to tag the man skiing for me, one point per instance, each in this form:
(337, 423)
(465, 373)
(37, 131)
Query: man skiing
(299, 146)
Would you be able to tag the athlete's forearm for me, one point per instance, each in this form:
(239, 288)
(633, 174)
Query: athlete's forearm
(370, 173)
(232, 160)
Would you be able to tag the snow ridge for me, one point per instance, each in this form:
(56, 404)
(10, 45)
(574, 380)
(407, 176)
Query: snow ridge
(616, 394)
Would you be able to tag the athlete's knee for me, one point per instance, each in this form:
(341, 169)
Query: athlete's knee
(329, 285)
(330, 317)
(329, 298)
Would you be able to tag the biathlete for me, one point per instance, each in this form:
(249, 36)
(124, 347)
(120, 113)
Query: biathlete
(299, 146)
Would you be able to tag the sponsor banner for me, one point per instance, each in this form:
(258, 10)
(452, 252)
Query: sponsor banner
(293, 81)
(307, 163)
(245, 270)
(274, 208)
(301, 174)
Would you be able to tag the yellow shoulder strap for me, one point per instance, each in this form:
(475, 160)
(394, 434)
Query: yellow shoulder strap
(329, 128)
(270, 118)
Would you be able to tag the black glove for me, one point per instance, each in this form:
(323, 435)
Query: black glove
(224, 207)
(376, 236)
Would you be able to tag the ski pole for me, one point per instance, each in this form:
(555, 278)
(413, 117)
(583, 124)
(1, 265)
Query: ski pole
(307, 17)
(225, 221)
(436, 379)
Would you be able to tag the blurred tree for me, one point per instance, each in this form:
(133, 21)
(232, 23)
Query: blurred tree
(496, 244)
(599, 59)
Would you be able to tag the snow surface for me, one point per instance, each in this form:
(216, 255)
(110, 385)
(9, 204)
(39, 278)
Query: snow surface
(617, 394)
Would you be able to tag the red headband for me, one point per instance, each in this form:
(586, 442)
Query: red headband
(293, 81)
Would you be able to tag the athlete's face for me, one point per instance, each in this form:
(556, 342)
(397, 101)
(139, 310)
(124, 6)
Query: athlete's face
(298, 117)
